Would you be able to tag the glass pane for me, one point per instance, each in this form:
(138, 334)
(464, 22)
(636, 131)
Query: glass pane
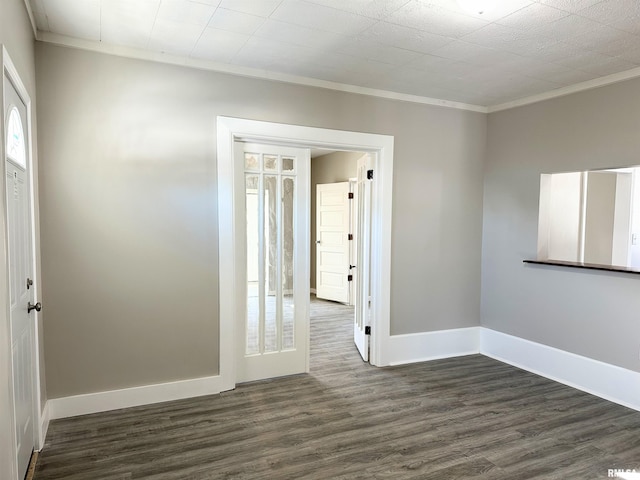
(253, 270)
(287, 164)
(251, 161)
(287, 263)
(15, 138)
(271, 262)
(270, 162)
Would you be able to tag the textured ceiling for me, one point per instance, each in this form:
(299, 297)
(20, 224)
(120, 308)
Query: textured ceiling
(429, 48)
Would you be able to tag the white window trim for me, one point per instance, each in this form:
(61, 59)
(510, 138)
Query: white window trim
(230, 130)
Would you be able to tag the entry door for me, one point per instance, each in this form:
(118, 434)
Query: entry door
(20, 271)
(363, 260)
(274, 328)
(333, 226)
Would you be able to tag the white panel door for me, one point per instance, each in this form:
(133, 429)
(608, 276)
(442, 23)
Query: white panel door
(20, 272)
(353, 245)
(274, 285)
(363, 260)
(333, 225)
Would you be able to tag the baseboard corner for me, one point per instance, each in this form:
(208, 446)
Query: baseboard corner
(427, 346)
(610, 382)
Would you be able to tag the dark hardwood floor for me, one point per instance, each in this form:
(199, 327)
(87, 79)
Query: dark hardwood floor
(461, 418)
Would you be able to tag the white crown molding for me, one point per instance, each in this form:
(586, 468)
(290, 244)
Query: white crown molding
(561, 92)
(139, 54)
(210, 65)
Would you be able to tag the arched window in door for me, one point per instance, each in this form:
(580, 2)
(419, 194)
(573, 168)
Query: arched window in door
(15, 138)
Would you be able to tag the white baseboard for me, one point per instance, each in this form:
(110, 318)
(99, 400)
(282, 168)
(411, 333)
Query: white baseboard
(421, 347)
(133, 397)
(45, 418)
(607, 381)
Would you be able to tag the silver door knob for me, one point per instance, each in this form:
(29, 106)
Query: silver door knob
(37, 307)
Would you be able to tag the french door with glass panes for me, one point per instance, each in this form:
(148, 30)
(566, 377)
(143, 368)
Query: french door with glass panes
(274, 321)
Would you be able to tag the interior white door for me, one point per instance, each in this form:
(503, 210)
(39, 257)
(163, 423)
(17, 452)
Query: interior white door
(363, 260)
(353, 246)
(20, 271)
(333, 226)
(274, 329)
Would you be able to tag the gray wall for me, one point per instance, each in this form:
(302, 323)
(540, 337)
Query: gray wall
(331, 168)
(599, 216)
(129, 231)
(17, 37)
(594, 314)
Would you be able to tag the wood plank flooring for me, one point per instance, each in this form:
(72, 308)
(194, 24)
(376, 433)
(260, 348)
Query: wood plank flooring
(462, 418)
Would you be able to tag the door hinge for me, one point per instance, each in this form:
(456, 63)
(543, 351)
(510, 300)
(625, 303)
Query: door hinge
(350, 196)
(369, 174)
(349, 278)
(349, 236)
(367, 330)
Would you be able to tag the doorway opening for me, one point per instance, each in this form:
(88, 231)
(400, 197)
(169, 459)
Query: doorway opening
(232, 224)
(340, 235)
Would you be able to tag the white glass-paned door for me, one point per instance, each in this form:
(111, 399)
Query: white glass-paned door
(17, 199)
(274, 330)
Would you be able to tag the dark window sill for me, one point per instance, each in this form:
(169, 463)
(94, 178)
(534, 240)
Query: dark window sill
(588, 266)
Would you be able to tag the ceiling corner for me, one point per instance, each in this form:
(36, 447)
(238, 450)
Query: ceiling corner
(32, 18)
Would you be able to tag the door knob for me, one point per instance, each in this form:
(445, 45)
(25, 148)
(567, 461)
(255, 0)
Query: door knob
(318, 242)
(37, 307)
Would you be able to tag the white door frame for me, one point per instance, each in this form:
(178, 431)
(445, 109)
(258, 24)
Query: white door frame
(10, 70)
(230, 130)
